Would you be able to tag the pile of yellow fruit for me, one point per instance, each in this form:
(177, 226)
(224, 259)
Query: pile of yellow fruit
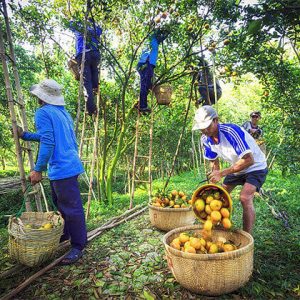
(175, 199)
(202, 243)
(46, 226)
(212, 207)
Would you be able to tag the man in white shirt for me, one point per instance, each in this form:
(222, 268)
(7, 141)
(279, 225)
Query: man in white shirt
(233, 144)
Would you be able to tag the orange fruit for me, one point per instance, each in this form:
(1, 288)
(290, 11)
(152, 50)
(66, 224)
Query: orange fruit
(196, 243)
(225, 212)
(209, 199)
(208, 225)
(190, 249)
(175, 245)
(215, 216)
(213, 248)
(176, 206)
(181, 194)
(226, 223)
(228, 247)
(184, 237)
(216, 204)
(207, 209)
(174, 193)
(199, 205)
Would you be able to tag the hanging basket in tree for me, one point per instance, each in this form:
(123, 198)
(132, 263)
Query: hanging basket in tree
(73, 67)
(163, 94)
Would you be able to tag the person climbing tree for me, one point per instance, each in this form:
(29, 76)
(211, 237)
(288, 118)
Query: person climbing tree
(233, 144)
(206, 85)
(146, 67)
(58, 148)
(92, 59)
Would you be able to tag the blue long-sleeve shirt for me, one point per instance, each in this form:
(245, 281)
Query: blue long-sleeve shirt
(58, 146)
(150, 53)
(92, 40)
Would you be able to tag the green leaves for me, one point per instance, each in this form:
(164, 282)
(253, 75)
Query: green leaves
(254, 26)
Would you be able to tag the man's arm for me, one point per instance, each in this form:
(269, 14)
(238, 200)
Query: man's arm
(246, 161)
(30, 136)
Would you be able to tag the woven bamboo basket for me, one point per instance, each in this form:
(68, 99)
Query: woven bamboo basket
(73, 67)
(197, 193)
(32, 246)
(165, 218)
(163, 94)
(212, 274)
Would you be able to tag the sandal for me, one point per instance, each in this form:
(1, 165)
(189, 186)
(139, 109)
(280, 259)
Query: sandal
(71, 257)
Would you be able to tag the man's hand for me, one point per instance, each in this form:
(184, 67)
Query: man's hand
(35, 177)
(20, 131)
(215, 176)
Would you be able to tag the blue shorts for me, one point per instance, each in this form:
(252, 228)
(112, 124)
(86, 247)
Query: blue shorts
(256, 178)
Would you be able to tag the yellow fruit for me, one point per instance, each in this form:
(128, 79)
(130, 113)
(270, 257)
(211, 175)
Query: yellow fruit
(176, 206)
(175, 245)
(184, 237)
(184, 198)
(209, 199)
(174, 193)
(187, 244)
(181, 194)
(199, 205)
(171, 203)
(225, 212)
(226, 223)
(196, 243)
(203, 242)
(215, 216)
(208, 225)
(215, 205)
(213, 248)
(190, 249)
(228, 247)
(176, 240)
(208, 244)
(206, 234)
(28, 226)
(48, 226)
(207, 209)
(183, 205)
(190, 202)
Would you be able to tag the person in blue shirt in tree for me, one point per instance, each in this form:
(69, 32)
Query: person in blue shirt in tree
(206, 85)
(236, 146)
(92, 59)
(58, 149)
(146, 67)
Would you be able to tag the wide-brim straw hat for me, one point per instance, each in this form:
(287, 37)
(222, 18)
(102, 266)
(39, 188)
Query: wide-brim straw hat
(48, 91)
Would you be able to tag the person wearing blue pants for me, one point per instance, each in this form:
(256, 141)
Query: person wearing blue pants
(91, 61)
(58, 149)
(146, 67)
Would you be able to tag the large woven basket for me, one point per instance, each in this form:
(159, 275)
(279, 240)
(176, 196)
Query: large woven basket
(73, 67)
(165, 218)
(212, 274)
(33, 246)
(163, 94)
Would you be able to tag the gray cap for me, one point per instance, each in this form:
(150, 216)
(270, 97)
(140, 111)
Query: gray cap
(48, 91)
(203, 117)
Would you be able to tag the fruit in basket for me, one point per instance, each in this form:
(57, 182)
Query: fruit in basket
(184, 237)
(225, 212)
(215, 204)
(48, 226)
(190, 249)
(209, 199)
(215, 216)
(226, 223)
(199, 205)
(175, 199)
(195, 243)
(208, 209)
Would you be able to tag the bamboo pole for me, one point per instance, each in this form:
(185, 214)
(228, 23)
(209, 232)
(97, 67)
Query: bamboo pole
(13, 118)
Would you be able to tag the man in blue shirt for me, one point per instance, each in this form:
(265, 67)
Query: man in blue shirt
(92, 59)
(58, 149)
(236, 146)
(146, 67)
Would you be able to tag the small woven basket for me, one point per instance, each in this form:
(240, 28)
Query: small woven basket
(32, 246)
(73, 67)
(212, 274)
(165, 218)
(163, 94)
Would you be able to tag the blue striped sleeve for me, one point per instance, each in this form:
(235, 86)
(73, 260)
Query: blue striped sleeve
(208, 153)
(236, 137)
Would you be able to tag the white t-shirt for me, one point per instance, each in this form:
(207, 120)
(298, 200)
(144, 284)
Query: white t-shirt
(234, 143)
